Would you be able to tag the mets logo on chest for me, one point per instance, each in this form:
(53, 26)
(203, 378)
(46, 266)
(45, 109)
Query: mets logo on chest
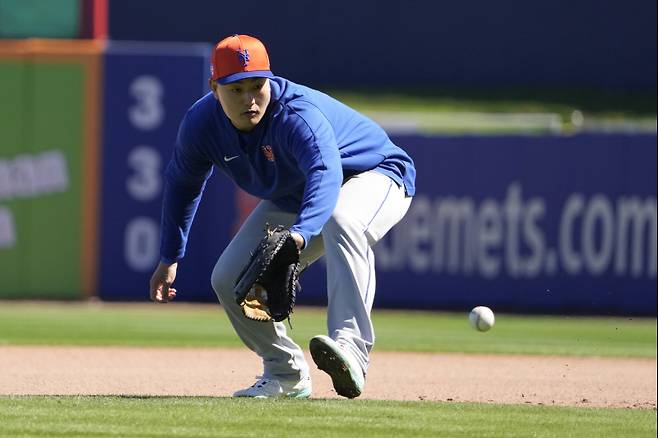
(243, 56)
(268, 152)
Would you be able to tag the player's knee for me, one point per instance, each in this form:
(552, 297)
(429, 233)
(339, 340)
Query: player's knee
(221, 283)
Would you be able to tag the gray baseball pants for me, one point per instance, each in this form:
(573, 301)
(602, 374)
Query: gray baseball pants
(369, 205)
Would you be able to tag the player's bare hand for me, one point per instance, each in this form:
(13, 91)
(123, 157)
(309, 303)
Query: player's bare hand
(299, 240)
(161, 281)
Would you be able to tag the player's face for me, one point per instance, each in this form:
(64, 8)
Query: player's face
(244, 102)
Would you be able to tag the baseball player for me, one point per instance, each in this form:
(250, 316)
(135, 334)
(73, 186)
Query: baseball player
(329, 174)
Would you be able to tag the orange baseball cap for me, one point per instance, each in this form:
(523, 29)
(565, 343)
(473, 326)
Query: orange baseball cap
(238, 57)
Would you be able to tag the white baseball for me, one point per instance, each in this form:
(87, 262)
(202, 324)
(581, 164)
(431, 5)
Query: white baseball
(481, 318)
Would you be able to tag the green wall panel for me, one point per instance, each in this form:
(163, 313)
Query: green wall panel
(46, 124)
(55, 218)
(13, 142)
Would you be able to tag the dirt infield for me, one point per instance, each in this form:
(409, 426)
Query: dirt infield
(566, 381)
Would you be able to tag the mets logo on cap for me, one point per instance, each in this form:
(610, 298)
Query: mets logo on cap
(239, 57)
(268, 152)
(244, 57)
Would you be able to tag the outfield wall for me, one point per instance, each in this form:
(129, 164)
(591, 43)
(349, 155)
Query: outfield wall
(556, 224)
(549, 224)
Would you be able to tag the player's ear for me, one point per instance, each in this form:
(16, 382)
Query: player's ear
(213, 86)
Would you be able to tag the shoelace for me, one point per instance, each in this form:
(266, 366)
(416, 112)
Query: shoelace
(262, 381)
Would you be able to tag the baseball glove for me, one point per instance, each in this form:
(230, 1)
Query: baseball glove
(267, 286)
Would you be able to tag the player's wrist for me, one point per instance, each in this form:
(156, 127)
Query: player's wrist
(168, 261)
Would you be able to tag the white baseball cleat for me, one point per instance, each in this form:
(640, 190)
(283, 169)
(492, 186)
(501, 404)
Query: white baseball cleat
(271, 388)
(345, 372)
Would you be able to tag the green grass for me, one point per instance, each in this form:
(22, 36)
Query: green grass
(505, 110)
(177, 324)
(47, 323)
(200, 416)
(600, 103)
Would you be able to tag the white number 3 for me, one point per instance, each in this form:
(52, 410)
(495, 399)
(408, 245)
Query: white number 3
(145, 183)
(148, 112)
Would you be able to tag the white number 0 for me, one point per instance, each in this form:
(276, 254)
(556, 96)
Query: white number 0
(142, 244)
